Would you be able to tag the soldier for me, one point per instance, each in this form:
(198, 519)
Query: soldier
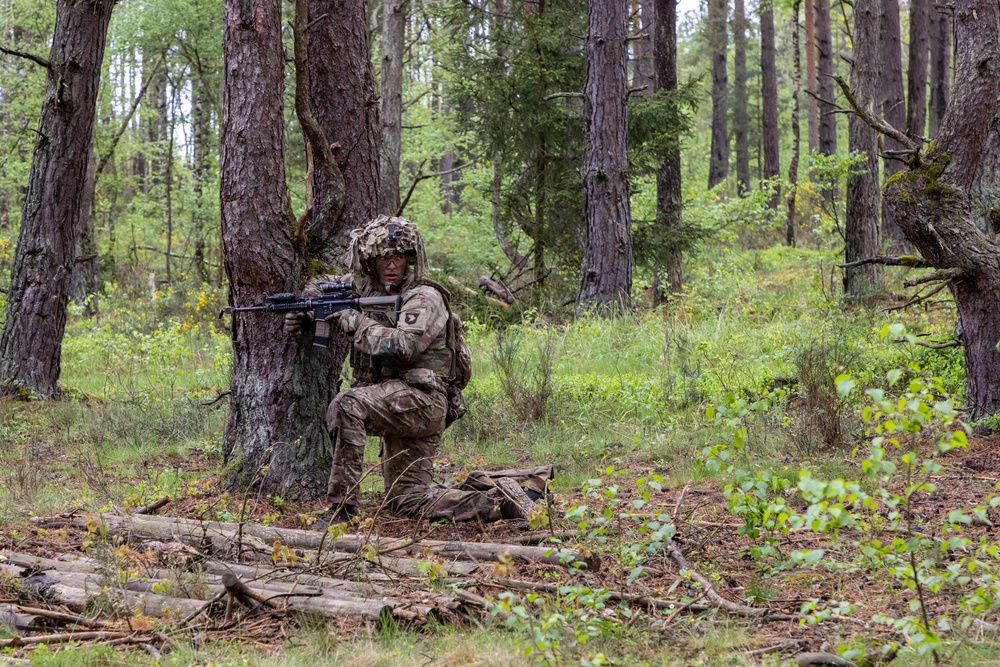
(400, 391)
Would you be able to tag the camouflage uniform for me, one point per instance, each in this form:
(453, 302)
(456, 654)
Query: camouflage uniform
(399, 389)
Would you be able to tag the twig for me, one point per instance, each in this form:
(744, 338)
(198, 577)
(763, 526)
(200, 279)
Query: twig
(677, 505)
(917, 299)
(64, 637)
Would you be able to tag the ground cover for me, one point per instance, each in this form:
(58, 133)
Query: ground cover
(732, 426)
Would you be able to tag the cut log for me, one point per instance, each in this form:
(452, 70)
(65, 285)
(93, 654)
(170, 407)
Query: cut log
(223, 536)
(152, 507)
(516, 496)
(468, 290)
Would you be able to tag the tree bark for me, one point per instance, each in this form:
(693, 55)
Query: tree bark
(940, 34)
(718, 168)
(862, 238)
(201, 105)
(741, 121)
(824, 84)
(769, 95)
(606, 276)
(52, 215)
(893, 106)
(934, 204)
(916, 73)
(642, 49)
(342, 93)
(668, 177)
(394, 13)
(812, 110)
(793, 166)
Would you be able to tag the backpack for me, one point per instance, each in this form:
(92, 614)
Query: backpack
(461, 358)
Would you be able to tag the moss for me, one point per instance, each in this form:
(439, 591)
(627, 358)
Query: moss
(933, 188)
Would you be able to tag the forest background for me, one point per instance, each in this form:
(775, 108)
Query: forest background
(739, 369)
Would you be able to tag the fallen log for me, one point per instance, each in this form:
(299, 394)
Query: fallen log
(261, 538)
(498, 289)
(65, 637)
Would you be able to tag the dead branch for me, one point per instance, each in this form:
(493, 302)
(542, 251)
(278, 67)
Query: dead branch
(64, 637)
(877, 123)
(917, 299)
(63, 617)
(153, 506)
(498, 289)
(947, 275)
(38, 60)
(885, 260)
(248, 598)
(421, 176)
(554, 96)
(468, 290)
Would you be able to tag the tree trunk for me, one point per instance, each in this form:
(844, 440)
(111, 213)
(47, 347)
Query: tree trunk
(201, 104)
(281, 385)
(769, 95)
(668, 177)
(606, 276)
(933, 204)
(343, 98)
(718, 168)
(824, 84)
(812, 110)
(394, 13)
(940, 68)
(862, 239)
(793, 166)
(85, 278)
(916, 73)
(52, 216)
(893, 106)
(741, 121)
(642, 49)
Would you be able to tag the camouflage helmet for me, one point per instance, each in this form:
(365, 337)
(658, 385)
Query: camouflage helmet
(386, 235)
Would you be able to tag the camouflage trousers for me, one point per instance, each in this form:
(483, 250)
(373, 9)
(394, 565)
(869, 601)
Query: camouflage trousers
(410, 421)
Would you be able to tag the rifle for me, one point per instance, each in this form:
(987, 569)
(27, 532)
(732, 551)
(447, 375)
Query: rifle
(334, 298)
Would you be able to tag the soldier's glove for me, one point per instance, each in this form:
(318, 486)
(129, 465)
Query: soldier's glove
(347, 320)
(295, 320)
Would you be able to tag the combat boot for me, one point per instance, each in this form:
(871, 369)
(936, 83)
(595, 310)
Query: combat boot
(339, 512)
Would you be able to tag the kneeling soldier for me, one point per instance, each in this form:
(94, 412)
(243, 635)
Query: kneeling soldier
(400, 389)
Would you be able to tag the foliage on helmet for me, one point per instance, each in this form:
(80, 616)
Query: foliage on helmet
(386, 235)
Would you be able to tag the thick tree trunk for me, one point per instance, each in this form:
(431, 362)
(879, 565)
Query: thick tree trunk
(893, 106)
(394, 13)
(793, 166)
(281, 386)
(343, 98)
(916, 72)
(938, 203)
(862, 238)
(769, 95)
(53, 211)
(606, 276)
(824, 84)
(718, 167)
(940, 68)
(812, 110)
(741, 121)
(668, 177)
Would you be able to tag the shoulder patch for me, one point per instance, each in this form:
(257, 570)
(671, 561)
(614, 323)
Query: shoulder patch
(411, 318)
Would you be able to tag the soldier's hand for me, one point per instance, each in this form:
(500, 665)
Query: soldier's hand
(294, 321)
(347, 320)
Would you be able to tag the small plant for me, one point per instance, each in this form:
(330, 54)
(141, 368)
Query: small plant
(525, 375)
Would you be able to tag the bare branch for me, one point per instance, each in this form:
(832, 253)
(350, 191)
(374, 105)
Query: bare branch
(946, 275)
(108, 154)
(421, 176)
(877, 123)
(911, 261)
(27, 56)
(552, 96)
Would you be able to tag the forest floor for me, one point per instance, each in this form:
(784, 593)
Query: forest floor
(706, 533)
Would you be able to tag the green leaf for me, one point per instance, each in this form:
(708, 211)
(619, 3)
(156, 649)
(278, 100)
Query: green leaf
(844, 384)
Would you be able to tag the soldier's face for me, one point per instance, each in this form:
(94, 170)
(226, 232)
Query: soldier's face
(391, 269)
